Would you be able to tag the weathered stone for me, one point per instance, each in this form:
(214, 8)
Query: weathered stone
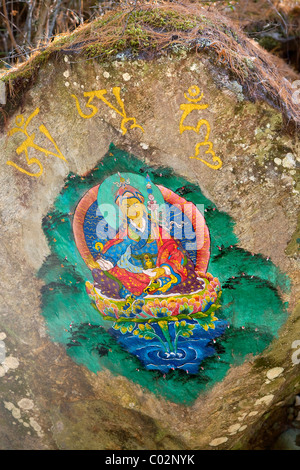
(26, 404)
(275, 372)
(217, 442)
(289, 161)
(77, 388)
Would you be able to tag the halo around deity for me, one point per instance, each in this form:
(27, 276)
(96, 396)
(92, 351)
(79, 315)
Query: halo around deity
(110, 186)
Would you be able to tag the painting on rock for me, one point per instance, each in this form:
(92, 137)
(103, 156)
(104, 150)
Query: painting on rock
(150, 277)
(145, 278)
(150, 234)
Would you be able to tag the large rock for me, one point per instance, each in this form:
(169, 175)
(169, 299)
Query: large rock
(70, 380)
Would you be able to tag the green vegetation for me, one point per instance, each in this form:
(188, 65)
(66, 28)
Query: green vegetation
(269, 43)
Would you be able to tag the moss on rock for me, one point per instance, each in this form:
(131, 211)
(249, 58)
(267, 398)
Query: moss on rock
(146, 31)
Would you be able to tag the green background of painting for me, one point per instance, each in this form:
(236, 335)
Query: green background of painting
(250, 283)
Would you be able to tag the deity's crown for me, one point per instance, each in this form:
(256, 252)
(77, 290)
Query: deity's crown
(126, 191)
(122, 181)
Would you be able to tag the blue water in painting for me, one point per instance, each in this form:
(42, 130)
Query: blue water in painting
(191, 351)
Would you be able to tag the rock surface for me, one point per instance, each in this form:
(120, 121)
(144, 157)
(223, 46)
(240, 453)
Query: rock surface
(48, 400)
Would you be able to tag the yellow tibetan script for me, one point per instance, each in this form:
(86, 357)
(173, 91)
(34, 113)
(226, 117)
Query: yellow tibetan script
(194, 98)
(100, 95)
(21, 126)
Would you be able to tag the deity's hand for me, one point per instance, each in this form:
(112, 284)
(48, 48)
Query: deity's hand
(104, 264)
(155, 273)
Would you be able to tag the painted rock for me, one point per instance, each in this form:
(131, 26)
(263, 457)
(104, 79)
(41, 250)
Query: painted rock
(150, 242)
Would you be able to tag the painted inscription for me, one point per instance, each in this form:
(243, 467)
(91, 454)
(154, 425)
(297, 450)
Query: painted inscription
(100, 94)
(194, 98)
(29, 142)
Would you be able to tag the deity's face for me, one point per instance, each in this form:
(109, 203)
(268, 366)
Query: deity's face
(132, 208)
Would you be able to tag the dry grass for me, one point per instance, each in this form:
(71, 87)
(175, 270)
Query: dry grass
(246, 11)
(147, 30)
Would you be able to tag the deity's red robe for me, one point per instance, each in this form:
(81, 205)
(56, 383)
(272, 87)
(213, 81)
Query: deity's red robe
(169, 255)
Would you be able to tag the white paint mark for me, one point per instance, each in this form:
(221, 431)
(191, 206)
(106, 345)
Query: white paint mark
(105, 75)
(289, 161)
(16, 413)
(266, 400)
(242, 416)
(242, 428)
(36, 426)
(126, 77)
(275, 372)
(2, 92)
(14, 410)
(26, 404)
(2, 351)
(8, 405)
(66, 74)
(234, 428)
(144, 146)
(218, 441)
(11, 362)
